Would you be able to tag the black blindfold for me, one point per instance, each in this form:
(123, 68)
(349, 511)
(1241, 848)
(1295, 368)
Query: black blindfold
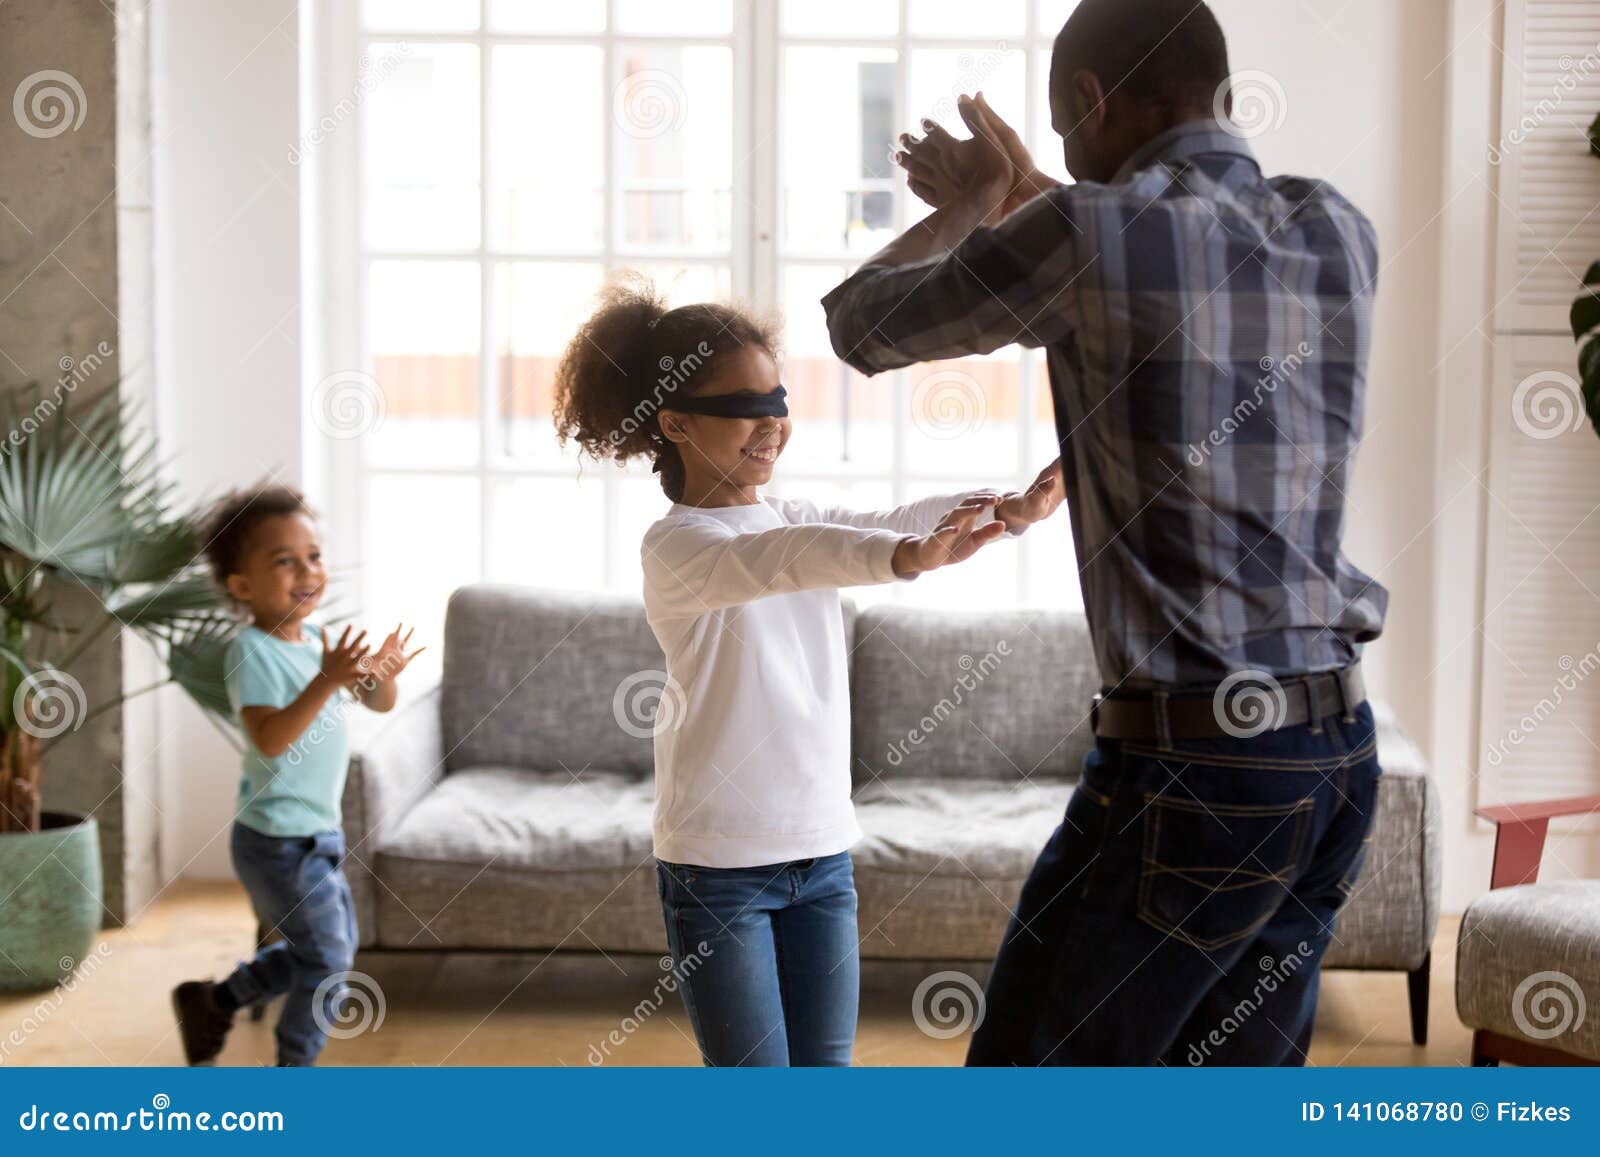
(734, 405)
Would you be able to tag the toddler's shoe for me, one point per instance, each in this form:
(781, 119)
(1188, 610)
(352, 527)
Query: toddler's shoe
(202, 1020)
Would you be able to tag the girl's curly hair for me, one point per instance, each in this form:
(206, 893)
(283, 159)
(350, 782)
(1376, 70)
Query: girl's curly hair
(628, 360)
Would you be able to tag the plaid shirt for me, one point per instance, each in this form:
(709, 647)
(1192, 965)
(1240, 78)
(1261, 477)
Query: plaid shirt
(1207, 332)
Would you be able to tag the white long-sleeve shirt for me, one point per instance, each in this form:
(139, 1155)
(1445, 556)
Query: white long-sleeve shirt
(753, 757)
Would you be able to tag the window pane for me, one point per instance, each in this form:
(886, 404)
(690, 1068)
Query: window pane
(548, 171)
(964, 18)
(940, 75)
(1042, 441)
(422, 543)
(548, 532)
(838, 181)
(987, 579)
(674, 119)
(965, 411)
(841, 17)
(420, 15)
(543, 16)
(680, 17)
(1052, 564)
(1044, 142)
(423, 333)
(864, 495)
(843, 421)
(538, 308)
(686, 284)
(1053, 14)
(640, 502)
(421, 147)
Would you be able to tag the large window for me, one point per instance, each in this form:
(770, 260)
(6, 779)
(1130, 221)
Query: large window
(510, 154)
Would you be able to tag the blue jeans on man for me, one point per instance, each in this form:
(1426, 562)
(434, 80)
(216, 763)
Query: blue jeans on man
(298, 889)
(1180, 912)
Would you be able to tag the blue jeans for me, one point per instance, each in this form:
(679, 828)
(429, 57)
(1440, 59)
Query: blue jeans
(1180, 911)
(767, 959)
(298, 890)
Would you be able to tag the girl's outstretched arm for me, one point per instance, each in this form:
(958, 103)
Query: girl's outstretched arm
(698, 565)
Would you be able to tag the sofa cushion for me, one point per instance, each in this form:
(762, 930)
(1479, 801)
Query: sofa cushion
(497, 857)
(536, 679)
(997, 695)
(547, 821)
(1528, 965)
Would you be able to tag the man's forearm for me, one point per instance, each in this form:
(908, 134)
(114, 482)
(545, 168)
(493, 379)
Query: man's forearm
(935, 235)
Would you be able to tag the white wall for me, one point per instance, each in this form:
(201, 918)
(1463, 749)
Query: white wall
(1364, 83)
(225, 112)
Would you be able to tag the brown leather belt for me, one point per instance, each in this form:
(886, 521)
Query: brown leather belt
(1245, 704)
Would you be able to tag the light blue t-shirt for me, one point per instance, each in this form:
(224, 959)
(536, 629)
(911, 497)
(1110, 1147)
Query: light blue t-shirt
(297, 793)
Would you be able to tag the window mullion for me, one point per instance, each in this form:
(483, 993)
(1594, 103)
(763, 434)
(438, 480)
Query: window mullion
(611, 480)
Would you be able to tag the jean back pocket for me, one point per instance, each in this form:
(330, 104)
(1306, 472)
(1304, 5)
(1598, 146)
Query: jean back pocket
(1212, 874)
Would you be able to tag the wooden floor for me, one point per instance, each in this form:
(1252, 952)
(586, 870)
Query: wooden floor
(569, 1009)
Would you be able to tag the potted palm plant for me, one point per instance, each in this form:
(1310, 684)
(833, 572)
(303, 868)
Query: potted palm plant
(81, 506)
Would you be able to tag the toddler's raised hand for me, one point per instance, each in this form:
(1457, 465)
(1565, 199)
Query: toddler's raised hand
(393, 658)
(346, 661)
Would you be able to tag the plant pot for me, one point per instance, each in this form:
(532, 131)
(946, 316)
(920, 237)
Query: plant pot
(50, 900)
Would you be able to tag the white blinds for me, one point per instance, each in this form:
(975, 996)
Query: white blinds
(1541, 692)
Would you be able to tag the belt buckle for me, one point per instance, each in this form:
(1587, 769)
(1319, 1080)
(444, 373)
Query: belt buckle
(1094, 712)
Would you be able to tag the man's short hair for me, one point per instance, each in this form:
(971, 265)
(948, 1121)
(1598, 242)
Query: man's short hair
(1161, 52)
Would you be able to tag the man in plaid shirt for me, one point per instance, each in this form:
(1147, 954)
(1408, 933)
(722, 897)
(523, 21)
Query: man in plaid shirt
(1207, 332)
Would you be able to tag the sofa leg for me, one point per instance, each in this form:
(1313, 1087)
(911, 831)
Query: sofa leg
(1417, 989)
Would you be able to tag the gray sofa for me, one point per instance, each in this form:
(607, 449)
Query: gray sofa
(509, 807)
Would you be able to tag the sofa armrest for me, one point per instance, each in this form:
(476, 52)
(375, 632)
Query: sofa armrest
(1519, 833)
(392, 766)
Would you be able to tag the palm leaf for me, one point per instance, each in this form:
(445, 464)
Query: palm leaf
(197, 659)
(63, 495)
(168, 607)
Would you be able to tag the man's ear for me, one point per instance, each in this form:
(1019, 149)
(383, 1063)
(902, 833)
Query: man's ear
(672, 427)
(1088, 102)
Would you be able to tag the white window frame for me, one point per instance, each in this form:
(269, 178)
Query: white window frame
(337, 259)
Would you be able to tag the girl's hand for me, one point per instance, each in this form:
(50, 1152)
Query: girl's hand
(954, 540)
(1038, 502)
(345, 662)
(392, 658)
